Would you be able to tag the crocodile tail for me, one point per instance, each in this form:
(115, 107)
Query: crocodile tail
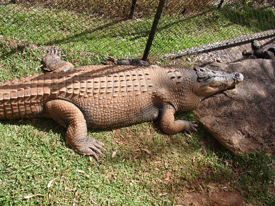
(20, 98)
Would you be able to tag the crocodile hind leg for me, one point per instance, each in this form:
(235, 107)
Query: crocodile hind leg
(52, 61)
(70, 116)
(170, 126)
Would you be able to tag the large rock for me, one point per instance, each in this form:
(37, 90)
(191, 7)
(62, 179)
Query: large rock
(243, 119)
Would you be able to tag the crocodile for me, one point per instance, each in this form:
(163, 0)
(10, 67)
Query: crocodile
(260, 51)
(103, 96)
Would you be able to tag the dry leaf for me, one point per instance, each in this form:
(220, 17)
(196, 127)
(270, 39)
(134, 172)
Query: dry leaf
(135, 181)
(91, 199)
(114, 154)
(30, 196)
(91, 159)
(51, 182)
(146, 150)
(81, 171)
(168, 176)
(15, 128)
(75, 195)
(188, 135)
(107, 178)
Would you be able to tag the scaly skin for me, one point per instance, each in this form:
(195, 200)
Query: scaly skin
(99, 97)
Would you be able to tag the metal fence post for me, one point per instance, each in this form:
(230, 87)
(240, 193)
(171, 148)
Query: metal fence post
(131, 15)
(220, 4)
(153, 30)
(133, 7)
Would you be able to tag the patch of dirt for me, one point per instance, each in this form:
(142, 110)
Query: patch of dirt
(215, 198)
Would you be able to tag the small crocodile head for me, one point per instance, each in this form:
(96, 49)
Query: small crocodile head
(210, 82)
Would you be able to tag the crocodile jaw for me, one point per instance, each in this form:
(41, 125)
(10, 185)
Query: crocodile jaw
(210, 82)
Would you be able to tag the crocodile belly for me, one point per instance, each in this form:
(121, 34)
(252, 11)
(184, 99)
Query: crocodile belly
(105, 112)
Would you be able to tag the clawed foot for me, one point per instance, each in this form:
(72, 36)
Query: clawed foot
(90, 147)
(50, 59)
(191, 126)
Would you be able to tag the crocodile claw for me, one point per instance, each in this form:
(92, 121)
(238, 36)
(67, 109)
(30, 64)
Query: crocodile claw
(90, 147)
(54, 52)
(192, 127)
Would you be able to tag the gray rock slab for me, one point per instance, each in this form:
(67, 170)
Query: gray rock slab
(243, 119)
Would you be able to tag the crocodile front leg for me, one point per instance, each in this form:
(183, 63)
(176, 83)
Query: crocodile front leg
(70, 116)
(168, 125)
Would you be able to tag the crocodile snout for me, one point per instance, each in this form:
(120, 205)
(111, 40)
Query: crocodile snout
(238, 77)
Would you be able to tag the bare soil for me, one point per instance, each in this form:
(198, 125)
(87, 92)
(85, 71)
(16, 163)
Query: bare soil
(215, 198)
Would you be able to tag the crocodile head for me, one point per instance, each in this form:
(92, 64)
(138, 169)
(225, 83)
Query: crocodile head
(210, 82)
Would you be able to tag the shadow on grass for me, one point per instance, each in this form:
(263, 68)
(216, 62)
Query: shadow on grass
(181, 161)
(21, 45)
(19, 48)
(82, 35)
(145, 139)
(259, 19)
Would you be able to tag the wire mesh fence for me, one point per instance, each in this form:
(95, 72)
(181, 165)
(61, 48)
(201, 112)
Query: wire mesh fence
(89, 31)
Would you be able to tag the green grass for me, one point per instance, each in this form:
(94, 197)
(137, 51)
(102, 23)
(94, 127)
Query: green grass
(100, 37)
(149, 168)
